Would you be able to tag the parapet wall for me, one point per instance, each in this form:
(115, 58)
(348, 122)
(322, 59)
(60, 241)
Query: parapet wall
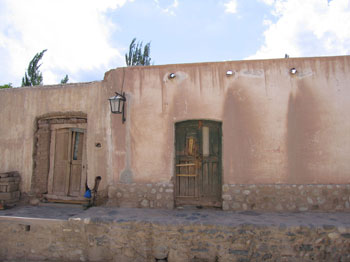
(182, 236)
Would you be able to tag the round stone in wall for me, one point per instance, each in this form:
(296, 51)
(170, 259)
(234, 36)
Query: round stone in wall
(145, 203)
(161, 252)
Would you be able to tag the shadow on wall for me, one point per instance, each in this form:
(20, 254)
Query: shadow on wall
(241, 131)
(303, 129)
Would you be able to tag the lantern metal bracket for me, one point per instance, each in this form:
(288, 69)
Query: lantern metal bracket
(123, 116)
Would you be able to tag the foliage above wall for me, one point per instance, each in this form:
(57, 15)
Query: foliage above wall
(9, 85)
(136, 57)
(33, 77)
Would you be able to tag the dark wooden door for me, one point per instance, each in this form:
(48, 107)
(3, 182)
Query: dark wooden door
(198, 163)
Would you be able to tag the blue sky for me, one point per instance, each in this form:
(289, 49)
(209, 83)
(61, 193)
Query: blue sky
(86, 38)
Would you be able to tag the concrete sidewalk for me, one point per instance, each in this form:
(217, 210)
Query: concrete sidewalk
(61, 233)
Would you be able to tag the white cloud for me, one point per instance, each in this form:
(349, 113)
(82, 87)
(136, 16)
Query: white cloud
(168, 9)
(76, 34)
(268, 2)
(307, 28)
(231, 7)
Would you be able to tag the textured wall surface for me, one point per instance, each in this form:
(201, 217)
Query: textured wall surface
(290, 198)
(22, 107)
(140, 235)
(278, 128)
(150, 195)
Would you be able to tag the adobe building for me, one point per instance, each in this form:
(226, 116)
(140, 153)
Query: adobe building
(239, 135)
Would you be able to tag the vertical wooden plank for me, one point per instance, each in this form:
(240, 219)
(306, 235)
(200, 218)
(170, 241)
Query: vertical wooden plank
(217, 184)
(193, 170)
(84, 166)
(210, 178)
(76, 163)
(180, 181)
(61, 162)
(52, 161)
(213, 178)
(204, 178)
(211, 183)
(207, 186)
(69, 162)
(186, 189)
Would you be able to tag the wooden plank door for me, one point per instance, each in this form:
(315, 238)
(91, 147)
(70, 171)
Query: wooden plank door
(68, 174)
(198, 163)
(62, 154)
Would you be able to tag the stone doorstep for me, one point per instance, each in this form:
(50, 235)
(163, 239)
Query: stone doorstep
(10, 195)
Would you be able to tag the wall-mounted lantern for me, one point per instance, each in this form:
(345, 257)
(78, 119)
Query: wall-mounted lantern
(117, 104)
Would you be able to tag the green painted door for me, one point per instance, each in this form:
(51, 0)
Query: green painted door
(198, 163)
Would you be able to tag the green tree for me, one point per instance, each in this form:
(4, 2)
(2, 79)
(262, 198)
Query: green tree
(33, 76)
(136, 57)
(65, 80)
(9, 85)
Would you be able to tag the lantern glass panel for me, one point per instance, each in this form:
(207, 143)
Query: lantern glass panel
(117, 103)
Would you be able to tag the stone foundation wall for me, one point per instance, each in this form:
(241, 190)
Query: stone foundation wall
(141, 241)
(150, 195)
(291, 198)
(286, 197)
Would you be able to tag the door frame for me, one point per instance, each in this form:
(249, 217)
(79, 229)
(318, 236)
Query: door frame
(201, 200)
(54, 128)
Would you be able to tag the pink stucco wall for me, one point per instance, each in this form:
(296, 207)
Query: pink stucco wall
(277, 127)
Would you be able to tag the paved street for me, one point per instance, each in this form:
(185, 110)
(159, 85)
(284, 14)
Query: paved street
(180, 216)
